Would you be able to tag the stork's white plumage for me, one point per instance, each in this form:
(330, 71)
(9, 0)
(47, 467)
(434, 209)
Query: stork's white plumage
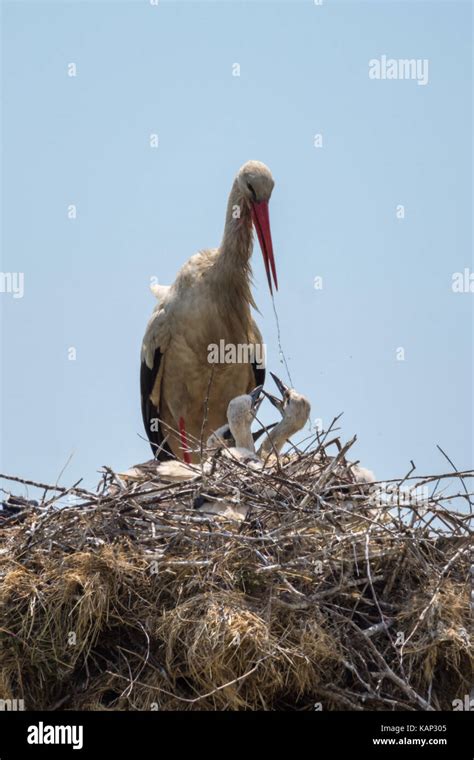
(160, 291)
(240, 415)
(295, 410)
(183, 395)
(172, 471)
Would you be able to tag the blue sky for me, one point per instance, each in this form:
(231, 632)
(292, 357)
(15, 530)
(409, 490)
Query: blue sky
(141, 212)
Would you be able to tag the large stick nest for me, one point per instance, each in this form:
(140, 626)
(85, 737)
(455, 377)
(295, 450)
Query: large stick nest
(331, 594)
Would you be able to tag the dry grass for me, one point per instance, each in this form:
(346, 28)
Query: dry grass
(329, 592)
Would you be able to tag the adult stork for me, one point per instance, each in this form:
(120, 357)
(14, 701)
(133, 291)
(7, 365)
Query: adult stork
(184, 396)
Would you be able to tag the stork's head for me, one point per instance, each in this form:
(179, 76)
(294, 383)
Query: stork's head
(293, 406)
(256, 183)
(242, 409)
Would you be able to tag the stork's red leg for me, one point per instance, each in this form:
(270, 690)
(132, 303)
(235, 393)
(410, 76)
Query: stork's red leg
(184, 441)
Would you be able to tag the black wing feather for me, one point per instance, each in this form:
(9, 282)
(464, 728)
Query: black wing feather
(259, 373)
(150, 413)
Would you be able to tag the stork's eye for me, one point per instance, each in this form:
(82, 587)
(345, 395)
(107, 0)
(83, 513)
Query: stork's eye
(254, 194)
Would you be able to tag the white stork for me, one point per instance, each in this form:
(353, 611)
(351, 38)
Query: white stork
(240, 415)
(295, 410)
(184, 397)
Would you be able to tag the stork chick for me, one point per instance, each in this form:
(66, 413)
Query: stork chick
(295, 410)
(240, 416)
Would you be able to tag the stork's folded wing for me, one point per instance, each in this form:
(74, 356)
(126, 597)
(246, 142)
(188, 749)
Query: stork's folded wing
(151, 370)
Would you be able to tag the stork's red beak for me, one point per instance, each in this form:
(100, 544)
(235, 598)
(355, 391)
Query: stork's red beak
(261, 222)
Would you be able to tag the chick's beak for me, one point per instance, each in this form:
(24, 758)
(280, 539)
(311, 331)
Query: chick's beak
(280, 384)
(277, 402)
(256, 397)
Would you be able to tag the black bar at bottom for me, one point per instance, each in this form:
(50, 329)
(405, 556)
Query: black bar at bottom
(132, 735)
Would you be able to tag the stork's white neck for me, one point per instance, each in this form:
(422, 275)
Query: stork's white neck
(277, 437)
(236, 246)
(243, 437)
(231, 271)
